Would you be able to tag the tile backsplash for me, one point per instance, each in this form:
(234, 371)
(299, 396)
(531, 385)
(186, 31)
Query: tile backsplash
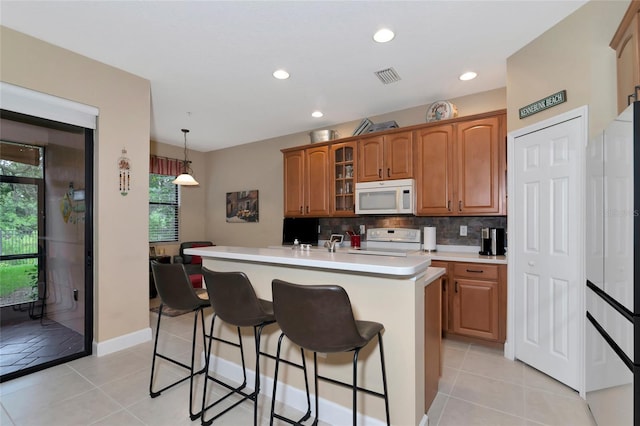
(447, 228)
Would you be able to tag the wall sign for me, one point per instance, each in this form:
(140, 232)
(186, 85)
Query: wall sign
(542, 104)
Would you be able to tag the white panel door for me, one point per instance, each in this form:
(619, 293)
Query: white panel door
(546, 249)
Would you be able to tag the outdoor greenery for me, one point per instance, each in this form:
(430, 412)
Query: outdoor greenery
(18, 227)
(163, 208)
(15, 277)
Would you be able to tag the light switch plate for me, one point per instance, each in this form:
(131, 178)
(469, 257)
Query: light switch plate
(362, 230)
(463, 230)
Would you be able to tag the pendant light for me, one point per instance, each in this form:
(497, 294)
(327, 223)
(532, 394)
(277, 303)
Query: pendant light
(185, 178)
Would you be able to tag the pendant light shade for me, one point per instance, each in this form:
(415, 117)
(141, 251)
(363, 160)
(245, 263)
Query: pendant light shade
(185, 178)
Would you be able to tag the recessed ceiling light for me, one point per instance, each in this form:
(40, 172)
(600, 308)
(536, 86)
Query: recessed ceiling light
(281, 74)
(384, 35)
(317, 114)
(470, 75)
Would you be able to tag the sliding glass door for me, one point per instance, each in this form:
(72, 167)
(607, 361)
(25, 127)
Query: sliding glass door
(46, 279)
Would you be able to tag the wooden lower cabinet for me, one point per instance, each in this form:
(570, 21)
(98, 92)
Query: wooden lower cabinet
(475, 308)
(475, 296)
(445, 293)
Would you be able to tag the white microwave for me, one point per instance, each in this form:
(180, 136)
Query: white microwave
(386, 197)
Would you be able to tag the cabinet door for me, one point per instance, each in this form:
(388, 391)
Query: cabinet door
(445, 293)
(316, 180)
(342, 177)
(478, 168)
(434, 170)
(475, 308)
(370, 159)
(294, 183)
(398, 156)
(627, 58)
(432, 342)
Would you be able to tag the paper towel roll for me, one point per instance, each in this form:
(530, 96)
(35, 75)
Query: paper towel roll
(429, 238)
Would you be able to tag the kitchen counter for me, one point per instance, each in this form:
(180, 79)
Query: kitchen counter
(389, 290)
(320, 257)
(448, 253)
(457, 256)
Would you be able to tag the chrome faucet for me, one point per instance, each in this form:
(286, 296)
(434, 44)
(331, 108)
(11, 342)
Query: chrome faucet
(331, 246)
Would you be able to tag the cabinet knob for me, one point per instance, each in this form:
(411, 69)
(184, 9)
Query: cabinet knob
(388, 172)
(456, 287)
(449, 205)
(531, 263)
(460, 205)
(307, 209)
(380, 173)
(300, 209)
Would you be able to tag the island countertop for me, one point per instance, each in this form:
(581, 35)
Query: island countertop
(402, 293)
(320, 258)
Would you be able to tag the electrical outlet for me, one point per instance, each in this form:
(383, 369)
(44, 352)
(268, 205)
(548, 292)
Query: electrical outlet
(362, 229)
(463, 230)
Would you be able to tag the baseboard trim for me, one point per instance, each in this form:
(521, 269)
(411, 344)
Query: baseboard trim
(330, 412)
(121, 342)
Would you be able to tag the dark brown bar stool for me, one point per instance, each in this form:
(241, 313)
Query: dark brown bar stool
(176, 292)
(319, 318)
(235, 302)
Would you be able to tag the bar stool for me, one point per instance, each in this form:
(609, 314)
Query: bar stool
(175, 291)
(319, 318)
(235, 302)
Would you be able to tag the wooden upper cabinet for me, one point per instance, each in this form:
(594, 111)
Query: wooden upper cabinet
(434, 170)
(627, 46)
(294, 183)
(342, 178)
(316, 179)
(371, 159)
(385, 157)
(461, 168)
(479, 166)
(398, 156)
(306, 182)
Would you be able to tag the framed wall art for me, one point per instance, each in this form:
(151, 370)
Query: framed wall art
(242, 206)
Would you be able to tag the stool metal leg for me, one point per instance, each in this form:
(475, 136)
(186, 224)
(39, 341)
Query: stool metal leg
(257, 333)
(384, 380)
(306, 385)
(190, 367)
(355, 386)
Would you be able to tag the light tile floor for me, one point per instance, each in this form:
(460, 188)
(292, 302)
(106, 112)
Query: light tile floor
(478, 387)
(481, 387)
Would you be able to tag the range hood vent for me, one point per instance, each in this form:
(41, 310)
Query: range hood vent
(388, 75)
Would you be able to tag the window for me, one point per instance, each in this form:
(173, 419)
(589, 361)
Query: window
(163, 208)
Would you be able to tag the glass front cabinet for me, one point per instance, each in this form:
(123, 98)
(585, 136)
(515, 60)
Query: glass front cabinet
(343, 169)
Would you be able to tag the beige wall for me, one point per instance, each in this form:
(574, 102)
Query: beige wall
(121, 223)
(258, 166)
(573, 55)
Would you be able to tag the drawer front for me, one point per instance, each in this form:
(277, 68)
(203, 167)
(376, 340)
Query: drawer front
(478, 271)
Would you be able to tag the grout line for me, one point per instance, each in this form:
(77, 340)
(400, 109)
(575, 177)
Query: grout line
(489, 408)
(7, 414)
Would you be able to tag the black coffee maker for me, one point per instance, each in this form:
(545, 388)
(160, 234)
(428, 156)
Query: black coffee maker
(492, 243)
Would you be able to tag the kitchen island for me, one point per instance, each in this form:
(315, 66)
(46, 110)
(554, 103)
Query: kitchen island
(387, 289)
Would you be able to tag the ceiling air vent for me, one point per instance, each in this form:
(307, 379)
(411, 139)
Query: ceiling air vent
(388, 75)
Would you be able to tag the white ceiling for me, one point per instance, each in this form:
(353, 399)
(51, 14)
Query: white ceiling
(215, 59)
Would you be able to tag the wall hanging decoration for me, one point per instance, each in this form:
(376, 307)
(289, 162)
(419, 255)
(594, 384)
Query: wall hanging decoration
(124, 166)
(242, 206)
(72, 205)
